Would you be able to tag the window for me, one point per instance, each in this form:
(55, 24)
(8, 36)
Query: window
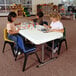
(26, 1)
(5, 4)
(12, 1)
(1, 1)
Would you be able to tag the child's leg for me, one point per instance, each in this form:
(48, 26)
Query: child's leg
(14, 38)
(49, 44)
(45, 22)
(56, 43)
(20, 42)
(23, 38)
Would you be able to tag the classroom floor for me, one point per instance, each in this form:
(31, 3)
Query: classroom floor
(65, 65)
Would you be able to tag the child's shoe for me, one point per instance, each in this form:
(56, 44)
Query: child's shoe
(19, 53)
(55, 50)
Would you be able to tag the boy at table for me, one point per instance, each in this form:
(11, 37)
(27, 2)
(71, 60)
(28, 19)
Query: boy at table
(55, 26)
(39, 19)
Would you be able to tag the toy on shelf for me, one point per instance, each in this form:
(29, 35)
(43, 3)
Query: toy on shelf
(17, 8)
(26, 12)
(55, 8)
(47, 8)
(66, 12)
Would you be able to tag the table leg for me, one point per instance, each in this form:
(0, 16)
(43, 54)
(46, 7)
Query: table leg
(42, 53)
(73, 16)
(51, 59)
(52, 55)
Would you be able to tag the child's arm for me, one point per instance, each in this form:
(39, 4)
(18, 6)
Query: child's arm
(17, 24)
(13, 32)
(46, 26)
(55, 30)
(34, 20)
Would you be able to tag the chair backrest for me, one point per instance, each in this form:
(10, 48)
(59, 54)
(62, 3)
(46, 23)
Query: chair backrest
(6, 36)
(64, 33)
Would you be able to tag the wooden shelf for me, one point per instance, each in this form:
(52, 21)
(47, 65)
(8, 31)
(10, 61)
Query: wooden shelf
(17, 9)
(47, 8)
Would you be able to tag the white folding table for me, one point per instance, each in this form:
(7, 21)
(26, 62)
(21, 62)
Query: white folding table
(38, 37)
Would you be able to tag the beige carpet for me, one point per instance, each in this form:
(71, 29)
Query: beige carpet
(65, 65)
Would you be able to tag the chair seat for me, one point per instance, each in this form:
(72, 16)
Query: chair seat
(9, 40)
(29, 48)
(62, 39)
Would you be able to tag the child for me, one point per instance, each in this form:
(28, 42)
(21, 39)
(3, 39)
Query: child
(39, 19)
(12, 32)
(56, 26)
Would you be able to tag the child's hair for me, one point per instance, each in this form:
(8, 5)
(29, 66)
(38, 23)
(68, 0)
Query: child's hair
(11, 14)
(40, 14)
(55, 15)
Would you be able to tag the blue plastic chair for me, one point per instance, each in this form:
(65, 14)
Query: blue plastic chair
(27, 49)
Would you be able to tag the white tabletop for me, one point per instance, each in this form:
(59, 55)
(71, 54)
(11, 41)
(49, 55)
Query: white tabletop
(38, 37)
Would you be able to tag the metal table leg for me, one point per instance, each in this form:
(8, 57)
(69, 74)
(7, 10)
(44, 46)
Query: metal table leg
(52, 55)
(42, 60)
(42, 53)
(51, 59)
(73, 16)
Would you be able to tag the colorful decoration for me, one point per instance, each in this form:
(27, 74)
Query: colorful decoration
(47, 8)
(26, 12)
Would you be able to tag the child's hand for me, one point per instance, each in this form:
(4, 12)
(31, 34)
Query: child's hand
(19, 29)
(30, 19)
(53, 30)
(37, 23)
(19, 24)
(50, 30)
(45, 26)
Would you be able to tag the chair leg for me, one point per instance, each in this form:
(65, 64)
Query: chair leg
(25, 61)
(37, 57)
(16, 56)
(66, 44)
(59, 48)
(4, 47)
(12, 48)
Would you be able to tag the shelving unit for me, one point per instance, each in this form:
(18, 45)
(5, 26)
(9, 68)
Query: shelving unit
(17, 8)
(47, 8)
(5, 6)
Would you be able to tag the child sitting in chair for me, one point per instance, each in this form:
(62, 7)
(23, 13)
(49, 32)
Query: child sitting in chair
(56, 26)
(39, 19)
(13, 34)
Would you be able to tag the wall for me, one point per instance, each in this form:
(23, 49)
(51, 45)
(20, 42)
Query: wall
(74, 2)
(36, 2)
